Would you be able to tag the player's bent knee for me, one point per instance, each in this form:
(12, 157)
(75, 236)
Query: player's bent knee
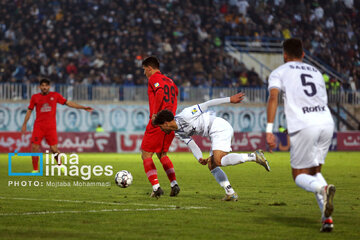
(145, 155)
(218, 155)
(35, 148)
(161, 155)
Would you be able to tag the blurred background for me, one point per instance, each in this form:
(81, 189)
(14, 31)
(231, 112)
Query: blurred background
(92, 52)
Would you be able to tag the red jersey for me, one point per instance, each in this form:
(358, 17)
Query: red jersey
(162, 93)
(46, 107)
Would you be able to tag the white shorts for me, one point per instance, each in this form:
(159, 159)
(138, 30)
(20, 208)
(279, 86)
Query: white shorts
(221, 134)
(309, 146)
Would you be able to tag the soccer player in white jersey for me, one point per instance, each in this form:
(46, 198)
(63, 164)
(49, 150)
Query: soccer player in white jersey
(309, 124)
(197, 120)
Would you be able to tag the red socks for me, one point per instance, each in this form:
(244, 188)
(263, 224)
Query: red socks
(35, 163)
(150, 171)
(168, 167)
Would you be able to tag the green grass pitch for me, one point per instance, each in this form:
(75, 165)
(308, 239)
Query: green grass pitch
(270, 205)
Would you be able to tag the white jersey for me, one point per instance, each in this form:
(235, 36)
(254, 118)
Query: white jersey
(197, 120)
(305, 98)
(193, 121)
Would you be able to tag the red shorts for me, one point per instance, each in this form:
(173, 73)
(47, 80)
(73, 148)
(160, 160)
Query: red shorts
(49, 133)
(156, 140)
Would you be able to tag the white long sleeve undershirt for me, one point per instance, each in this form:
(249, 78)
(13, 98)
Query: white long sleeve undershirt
(196, 151)
(204, 106)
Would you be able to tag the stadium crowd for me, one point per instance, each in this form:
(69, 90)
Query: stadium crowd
(104, 41)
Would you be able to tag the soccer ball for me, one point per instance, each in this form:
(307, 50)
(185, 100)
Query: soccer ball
(123, 179)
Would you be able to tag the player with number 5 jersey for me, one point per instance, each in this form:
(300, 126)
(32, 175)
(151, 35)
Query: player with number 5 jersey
(305, 95)
(162, 93)
(309, 124)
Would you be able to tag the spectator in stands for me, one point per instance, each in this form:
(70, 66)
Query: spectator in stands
(107, 36)
(244, 81)
(71, 68)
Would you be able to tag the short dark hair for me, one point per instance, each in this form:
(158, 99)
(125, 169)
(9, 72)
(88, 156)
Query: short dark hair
(163, 116)
(293, 47)
(151, 62)
(44, 80)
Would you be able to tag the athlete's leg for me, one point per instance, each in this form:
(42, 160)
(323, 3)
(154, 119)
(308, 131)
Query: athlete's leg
(220, 176)
(221, 134)
(215, 160)
(237, 158)
(52, 140)
(35, 148)
(326, 201)
(319, 197)
(36, 138)
(55, 151)
(150, 169)
(306, 167)
(56, 154)
(151, 143)
(170, 172)
(168, 167)
(304, 158)
(305, 178)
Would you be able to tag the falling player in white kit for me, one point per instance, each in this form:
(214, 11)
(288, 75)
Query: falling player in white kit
(309, 124)
(197, 120)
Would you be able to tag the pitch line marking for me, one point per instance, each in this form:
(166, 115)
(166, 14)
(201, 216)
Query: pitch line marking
(90, 202)
(160, 207)
(100, 211)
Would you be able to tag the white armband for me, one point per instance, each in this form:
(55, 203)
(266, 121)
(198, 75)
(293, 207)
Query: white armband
(269, 127)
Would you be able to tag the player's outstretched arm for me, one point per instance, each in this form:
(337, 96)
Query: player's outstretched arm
(233, 99)
(27, 117)
(78, 106)
(271, 111)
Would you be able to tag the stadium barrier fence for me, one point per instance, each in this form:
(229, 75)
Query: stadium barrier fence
(118, 93)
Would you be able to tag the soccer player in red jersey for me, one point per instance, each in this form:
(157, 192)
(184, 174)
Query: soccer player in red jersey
(162, 93)
(45, 122)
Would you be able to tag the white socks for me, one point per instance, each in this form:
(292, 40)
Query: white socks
(230, 160)
(222, 179)
(321, 179)
(237, 158)
(155, 187)
(173, 183)
(319, 197)
(313, 184)
(309, 183)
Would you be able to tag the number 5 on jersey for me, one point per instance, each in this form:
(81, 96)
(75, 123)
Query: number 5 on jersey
(308, 84)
